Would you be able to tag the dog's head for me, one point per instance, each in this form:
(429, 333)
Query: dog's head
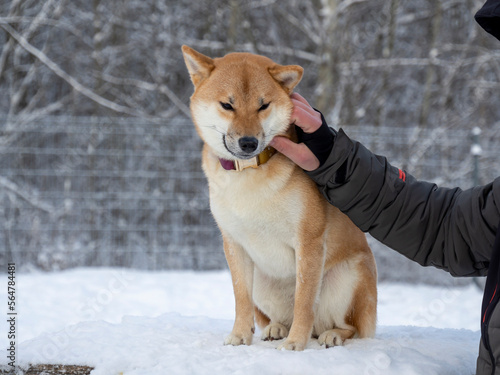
(241, 101)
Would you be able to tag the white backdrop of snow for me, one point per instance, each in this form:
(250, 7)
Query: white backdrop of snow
(141, 323)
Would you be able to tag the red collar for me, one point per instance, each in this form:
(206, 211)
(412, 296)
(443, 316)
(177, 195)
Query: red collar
(241, 164)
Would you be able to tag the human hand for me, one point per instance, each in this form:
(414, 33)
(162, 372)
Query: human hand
(310, 130)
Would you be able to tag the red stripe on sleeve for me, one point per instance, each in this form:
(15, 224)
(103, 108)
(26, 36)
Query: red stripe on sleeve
(402, 175)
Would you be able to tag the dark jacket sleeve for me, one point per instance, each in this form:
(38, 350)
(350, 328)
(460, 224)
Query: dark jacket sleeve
(434, 226)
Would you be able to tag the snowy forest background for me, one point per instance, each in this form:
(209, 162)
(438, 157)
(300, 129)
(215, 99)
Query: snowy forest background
(100, 163)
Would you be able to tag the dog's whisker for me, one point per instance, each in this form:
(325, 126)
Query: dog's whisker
(213, 127)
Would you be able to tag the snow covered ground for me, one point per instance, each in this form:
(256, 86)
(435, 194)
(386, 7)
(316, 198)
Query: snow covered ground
(134, 322)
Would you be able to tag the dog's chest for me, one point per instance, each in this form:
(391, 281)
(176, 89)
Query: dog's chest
(265, 224)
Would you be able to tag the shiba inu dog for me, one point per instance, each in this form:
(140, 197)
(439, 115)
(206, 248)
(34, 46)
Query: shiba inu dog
(299, 267)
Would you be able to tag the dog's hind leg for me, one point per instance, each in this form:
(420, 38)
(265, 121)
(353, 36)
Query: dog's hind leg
(348, 304)
(274, 305)
(261, 318)
(274, 331)
(335, 337)
(270, 330)
(363, 312)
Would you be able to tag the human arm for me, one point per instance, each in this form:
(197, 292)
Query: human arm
(446, 228)
(435, 226)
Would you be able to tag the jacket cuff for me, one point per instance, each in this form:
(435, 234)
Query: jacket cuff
(329, 172)
(319, 142)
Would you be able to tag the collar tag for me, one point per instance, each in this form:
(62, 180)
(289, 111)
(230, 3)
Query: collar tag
(242, 164)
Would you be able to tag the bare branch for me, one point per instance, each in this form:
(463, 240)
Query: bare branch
(77, 86)
(345, 4)
(300, 25)
(47, 22)
(26, 196)
(148, 86)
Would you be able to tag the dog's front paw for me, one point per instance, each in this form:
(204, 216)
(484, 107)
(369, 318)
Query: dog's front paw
(292, 345)
(236, 339)
(274, 331)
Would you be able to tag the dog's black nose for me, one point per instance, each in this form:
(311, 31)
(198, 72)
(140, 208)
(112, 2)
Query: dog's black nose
(248, 144)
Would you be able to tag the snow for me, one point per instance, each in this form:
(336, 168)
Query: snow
(137, 322)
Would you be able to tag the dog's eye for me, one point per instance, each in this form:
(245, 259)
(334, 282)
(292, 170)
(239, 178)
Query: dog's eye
(264, 106)
(227, 106)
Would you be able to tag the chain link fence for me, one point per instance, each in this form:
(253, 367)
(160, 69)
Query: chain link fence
(105, 192)
(130, 192)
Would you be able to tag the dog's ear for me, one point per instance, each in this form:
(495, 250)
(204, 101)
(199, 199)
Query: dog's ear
(288, 76)
(199, 65)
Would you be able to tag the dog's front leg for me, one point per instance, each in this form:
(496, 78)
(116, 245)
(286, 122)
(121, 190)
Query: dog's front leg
(309, 268)
(241, 267)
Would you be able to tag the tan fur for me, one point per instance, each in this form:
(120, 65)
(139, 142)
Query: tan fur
(299, 267)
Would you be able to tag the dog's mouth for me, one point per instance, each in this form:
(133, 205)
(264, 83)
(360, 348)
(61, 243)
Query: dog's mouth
(244, 147)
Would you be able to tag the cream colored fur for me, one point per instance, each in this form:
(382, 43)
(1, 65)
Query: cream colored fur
(298, 265)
